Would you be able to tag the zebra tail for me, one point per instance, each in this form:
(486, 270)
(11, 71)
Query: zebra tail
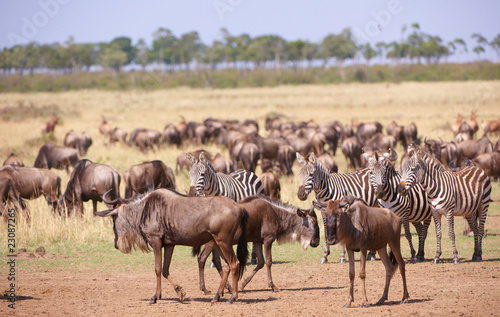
(394, 263)
(242, 248)
(195, 251)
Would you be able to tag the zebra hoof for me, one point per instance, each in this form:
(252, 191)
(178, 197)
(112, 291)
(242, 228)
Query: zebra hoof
(323, 261)
(455, 261)
(436, 261)
(341, 260)
(420, 259)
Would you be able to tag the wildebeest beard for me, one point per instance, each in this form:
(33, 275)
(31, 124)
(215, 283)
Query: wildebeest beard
(126, 227)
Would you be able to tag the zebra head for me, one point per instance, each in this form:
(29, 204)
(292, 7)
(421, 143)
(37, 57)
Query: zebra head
(379, 167)
(411, 170)
(197, 174)
(306, 175)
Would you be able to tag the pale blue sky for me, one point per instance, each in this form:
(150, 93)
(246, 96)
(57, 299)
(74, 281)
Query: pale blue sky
(49, 21)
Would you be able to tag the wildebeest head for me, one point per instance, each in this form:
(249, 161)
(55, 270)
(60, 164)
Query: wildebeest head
(126, 217)
(310, 227)
(332, 211)
(306, 175)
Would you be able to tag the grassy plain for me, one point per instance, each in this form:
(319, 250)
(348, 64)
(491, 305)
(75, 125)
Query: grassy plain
(87, 243)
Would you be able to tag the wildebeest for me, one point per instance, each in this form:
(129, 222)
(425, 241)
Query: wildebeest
(472, 148)
(164, 219)
(327, 160)
(366, 130)
(222, 164)
(379, 141)
(182, 161)
(31, 183)
(142, 177)
(490, 163)
(118, 135)
(171, 135)
(13, 159)
(80, 142)
(271, 184)
(144, 139)
(351, 148)
(8, 194)
(49, 126)
(360, 228)
(89, 181)
(286, 157)
(268, 221)
(54, 156)
(249, 156)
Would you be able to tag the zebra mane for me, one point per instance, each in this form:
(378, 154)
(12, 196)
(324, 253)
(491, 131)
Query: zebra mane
(431, 162)
(210, 167)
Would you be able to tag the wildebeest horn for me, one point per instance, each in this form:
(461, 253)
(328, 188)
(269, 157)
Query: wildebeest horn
(109, 202)
(320, 205)
(392, 156)
(106, 213)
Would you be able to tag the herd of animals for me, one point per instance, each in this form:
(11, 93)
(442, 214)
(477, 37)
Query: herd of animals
(363, 210)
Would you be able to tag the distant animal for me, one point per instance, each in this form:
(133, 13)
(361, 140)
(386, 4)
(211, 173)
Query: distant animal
(360, 228)
(456, 126)
(465, 193)
(80, 142)
(491, 126)
(469, 149)
(163, 219)
(327, 186)
(490, 163)
(182, 161)
(222, 164)
(351, 148)
(473, 122)
(268, 221)
(118, 135)
(146, 176)
(50, 125)
(272, 186)
(13, 159)
(286, 158)
(104, 127)
(171, 135)
(327, 160)
(144, 139)
(54, 156)
(249, 156)
(89, 181)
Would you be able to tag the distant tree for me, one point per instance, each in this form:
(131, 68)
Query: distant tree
(124, 44)
(114, 58)
(481, 43)
(368, 52)
(341, 47)
(143, 55)
(381, 46)
(165, 48)
(495, 44)
(296, 52)
(310, 52)
(190, 48)
(432, 49)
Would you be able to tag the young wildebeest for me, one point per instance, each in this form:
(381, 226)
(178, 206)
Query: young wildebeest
(140, 178)
(351, 222)
(89, 181)
(268, 221)
(12, 159)
(164, 219)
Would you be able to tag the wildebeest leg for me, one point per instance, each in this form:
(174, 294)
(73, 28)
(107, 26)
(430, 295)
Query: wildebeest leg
(269, 262)
(94, 205)
(216, 256)
(437, 222)
(202, 259)
(157, 253)
(350, 299)
(169, 250)
(324, 258)
(422, 235)
(388, 273)
(451, 234)
(362, 276)
(395, 246)
(260, 263)
(232, 265)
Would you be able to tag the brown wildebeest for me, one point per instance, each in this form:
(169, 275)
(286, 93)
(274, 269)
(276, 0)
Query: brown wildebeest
(182, 161)
(360, 228)
(490, 163)
(171, 135)
(89, 181)
(118, 135)
(366, 130)
(410, 134)
(272, 187)
(142, 177)
(14, 160)
(472, 148)
(191, 221)
(32, 182)
(379, 141)
(327, 160)
(268, 221)
(59, 157)
(286, 157)
(50, 125)
(8, 194)
(222, 164)
(80, 142)
(332, 132)
(249, 156)
(144, 139)
(351, 148)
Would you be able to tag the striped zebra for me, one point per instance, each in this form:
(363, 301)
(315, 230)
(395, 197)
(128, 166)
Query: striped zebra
(332, 186)
(465, 193)
(413, 207)
(237, 185)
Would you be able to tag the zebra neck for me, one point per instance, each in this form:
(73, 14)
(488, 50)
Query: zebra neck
(391, 196)
(212, 187)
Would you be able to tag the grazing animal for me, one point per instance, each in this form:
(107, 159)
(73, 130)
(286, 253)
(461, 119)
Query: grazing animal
(272, 186)
(59, 157)
(327, 160)
(80, 142)
(491, 126)
(360, 228)
(351, 148)
(222, 164)
(163, 219)
(118, 135)
(469, 149)
(171, 135)
(327, 186)
(31, 183)
(237, 185)
(465, 193)
(14, 160)
(89, 181)
(412, 208)
(8, 194)
(249, 156)
(269, 221)
(490, 163)
(142, 177)
(49, 126)
(182, 161)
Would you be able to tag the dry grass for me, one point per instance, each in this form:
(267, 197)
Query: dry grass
(432, 106)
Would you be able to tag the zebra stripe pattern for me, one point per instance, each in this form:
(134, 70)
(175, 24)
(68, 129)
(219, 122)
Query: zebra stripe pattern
(413, 207)
(465, 193)
(333, 186)
(237, 185)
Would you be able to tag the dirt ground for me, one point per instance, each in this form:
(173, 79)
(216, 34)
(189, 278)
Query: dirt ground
(466, 289)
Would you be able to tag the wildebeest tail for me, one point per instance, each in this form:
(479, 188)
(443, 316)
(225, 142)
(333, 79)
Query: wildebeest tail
(195, 251)
(394, 263)
(242, 249)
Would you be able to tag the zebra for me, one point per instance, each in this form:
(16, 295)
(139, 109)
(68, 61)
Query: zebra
(412, 208)
(464, 193)
(332, 186)
(237, 185)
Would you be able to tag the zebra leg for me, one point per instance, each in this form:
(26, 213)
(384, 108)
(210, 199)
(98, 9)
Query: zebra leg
(324, 258)
(451, 234)
(422, 235)
(477, 256)
(437, 223)
(406, 225)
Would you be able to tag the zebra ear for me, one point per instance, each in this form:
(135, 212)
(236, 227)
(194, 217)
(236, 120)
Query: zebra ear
(191, 158)
(202, 158)
(312, 158)
(300, 158)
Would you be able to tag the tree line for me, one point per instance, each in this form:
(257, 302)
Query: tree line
(170, 53)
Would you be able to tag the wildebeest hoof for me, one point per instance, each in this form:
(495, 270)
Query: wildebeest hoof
(413, 261)
(456, 261)
(181, 294)
(206, 292)
(341, 260)
(420, 259)
(323, 261)
(476, 258)
(152, 300)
